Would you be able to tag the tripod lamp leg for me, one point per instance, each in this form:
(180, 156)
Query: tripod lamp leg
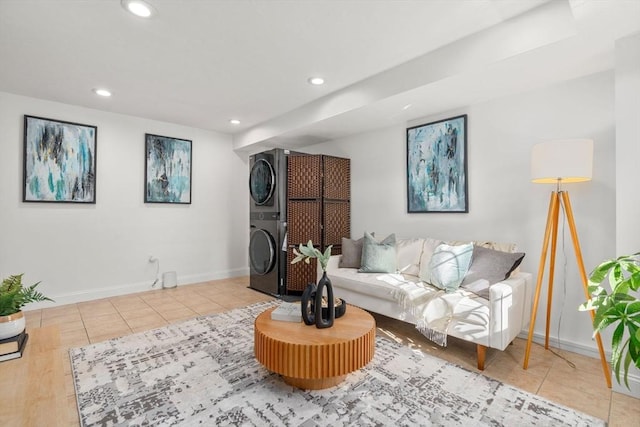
(553, 202)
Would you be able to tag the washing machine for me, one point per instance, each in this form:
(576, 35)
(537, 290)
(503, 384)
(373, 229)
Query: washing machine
(266, 257)
(268, 183)
(267, 216)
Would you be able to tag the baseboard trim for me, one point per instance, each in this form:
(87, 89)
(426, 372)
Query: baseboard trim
(564, 344)
(634, 374)
(634, 384)
(131, 288)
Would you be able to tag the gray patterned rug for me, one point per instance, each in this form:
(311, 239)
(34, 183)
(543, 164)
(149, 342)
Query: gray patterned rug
(203, 372)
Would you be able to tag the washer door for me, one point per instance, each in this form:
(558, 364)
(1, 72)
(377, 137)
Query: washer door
(262, 182)
(262, 251)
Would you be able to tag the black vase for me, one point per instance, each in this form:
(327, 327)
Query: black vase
(324, 322)
(307, 304)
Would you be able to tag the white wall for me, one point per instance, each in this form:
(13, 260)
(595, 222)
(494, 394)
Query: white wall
(503, 204)
(627, 155)
(627, 144)
(81, 252)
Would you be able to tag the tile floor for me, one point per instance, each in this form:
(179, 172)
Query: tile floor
(582, 387)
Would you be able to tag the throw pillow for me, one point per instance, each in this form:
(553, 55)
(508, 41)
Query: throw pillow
(378, 257)
(448, 266)
(408, 252)
(351, 253)
(498, 246)
(428, 249)
(491, 265)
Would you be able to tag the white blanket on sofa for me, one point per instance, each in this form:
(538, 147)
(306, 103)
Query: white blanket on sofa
(433, 309)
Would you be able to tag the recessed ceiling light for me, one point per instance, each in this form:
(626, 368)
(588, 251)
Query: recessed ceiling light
(316, 81)
(138, 7)
(234, 121)
(102, 92)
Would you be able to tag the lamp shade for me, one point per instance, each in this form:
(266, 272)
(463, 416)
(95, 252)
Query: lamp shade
(561, 161)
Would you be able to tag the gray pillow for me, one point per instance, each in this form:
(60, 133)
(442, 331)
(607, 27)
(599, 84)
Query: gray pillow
(378, 257)
(351, 253)
(491, 266)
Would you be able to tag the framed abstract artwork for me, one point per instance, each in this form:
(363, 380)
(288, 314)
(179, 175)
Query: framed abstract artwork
(59, 161)
(167, 170)
(437, 166)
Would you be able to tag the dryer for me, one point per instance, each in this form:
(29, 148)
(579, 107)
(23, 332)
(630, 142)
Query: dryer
(266, 258)
(267, 183)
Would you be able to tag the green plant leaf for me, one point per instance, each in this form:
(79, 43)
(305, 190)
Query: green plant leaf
(600, 272)
(14, 296)
(307, 252)
(615, 277)
(627, 363)
(634, 281)
(592, 304)
(616, 349)
(602, 321)
(634, 347)
(633, 307)
(298, 256)
(621, 287)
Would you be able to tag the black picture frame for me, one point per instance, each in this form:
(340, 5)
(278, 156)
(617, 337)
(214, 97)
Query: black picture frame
(168, 169)
(437, 167)
(59, 161)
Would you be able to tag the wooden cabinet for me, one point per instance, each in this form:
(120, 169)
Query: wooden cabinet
(318, 209)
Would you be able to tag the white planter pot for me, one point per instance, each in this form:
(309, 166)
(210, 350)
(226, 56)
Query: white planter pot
(12, 325)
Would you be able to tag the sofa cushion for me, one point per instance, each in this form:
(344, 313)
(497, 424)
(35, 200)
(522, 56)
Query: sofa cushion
(408, 253)
(491, 266)
(362, 283)
(351, 253)
(378, 257)
(449, 265)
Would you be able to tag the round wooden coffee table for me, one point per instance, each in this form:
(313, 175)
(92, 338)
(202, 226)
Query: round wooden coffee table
(312, 358)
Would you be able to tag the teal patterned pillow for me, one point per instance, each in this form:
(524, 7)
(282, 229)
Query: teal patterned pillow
(449, 265)
(378, 257)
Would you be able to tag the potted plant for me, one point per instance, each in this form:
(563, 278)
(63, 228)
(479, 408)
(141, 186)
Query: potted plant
(619, 308)
(315, 309)
(14, 296)
(306, 253)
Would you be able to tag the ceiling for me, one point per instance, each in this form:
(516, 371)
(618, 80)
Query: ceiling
(201, 63)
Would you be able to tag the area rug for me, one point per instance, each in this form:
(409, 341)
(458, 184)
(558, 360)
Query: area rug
(203, 372)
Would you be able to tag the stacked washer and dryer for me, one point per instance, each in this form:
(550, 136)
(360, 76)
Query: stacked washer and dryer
(267, 221)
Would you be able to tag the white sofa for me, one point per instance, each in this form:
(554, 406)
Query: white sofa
(492, 322)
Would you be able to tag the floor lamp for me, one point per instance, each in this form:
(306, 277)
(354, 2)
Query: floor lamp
(559, 162)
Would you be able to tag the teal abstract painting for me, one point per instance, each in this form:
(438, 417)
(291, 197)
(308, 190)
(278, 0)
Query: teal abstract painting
(167, 170)
(59, 161)
(437, 166)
